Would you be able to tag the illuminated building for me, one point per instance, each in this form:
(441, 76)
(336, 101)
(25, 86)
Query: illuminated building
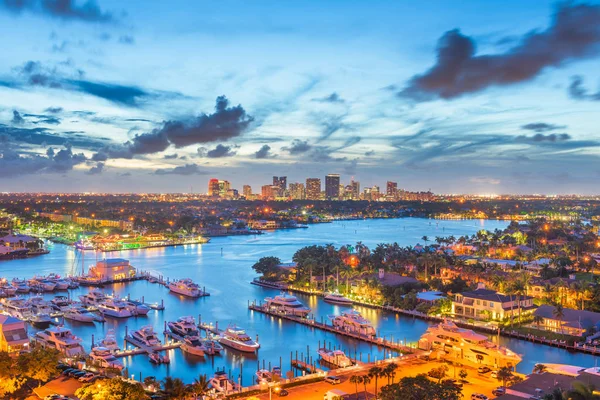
(313, 189)
(247, 191)
(392, 190)
(355, 189)
(297, 191)
(213, 187)
(224, 187)
(269, 192)
(13, 334)
(332, 186)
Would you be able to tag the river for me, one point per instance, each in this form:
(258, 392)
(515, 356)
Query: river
(224, 267)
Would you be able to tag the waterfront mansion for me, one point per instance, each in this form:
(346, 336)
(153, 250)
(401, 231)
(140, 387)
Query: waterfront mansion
(490, 305)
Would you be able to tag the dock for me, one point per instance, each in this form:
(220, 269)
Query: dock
(382, 342)
(142, 348)
(304, 366)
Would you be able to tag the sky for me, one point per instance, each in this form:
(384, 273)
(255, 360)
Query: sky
(152, 96)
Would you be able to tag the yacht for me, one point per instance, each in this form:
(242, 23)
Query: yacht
(137, 307)
(276, 371)
(61, 339)
(79, 314)
(9, 290)
(221, 383)
(105, 358)
(459, 343)
(263, 375)
(335, 357)
(18, 308)
(287, 304)
(60, 303)
(156, 358)
(40, 306)
(337, 298)
(184, 326)
(21, 285)
(114, 308)
(93, 298)
(110, 341)
(42, 285)
(194, 345)
(353, 322)
(185, 287)
(147, 336)
(61, 284)
(238, 339)
(84, 244)
(211, 346)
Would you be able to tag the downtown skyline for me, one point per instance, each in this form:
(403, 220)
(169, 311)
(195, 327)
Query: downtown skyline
(130, 97)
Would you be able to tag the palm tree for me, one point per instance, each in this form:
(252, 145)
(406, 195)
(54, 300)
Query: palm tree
(581, 391)
(559, 314)
(200, 385)
(557, 394)
(539, 369)
(390, 370)
(375, 372)
(366, 379)
(504, 374)
(425, 239)
(347, 273)
(356, 379)
(537, 319)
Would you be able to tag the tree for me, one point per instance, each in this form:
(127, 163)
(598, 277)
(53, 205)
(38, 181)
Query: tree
(39, 364)
(356, 379)
(539, 369)
(390, 371)
(419, 388)
(201, 386)
(504, 374)
(581, 391)
(111, 389)
(438, 373)
(559, 314)
(366, 379)
(463, 375)
(375, 372)
(10, 378)
(268, 267)
(557, 394)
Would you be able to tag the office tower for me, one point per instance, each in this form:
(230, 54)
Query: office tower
(297, 191)
(375, 193)
(224, 187)
(213, 187)
(247, 191)
(313, 189)
(332, 186)
(392, 190)
(355, 190)
(269, 192)
(280, 181)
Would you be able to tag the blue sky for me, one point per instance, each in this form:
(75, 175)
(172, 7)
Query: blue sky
(456, 97)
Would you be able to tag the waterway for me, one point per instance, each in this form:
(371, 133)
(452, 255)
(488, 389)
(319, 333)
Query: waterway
(223, 266)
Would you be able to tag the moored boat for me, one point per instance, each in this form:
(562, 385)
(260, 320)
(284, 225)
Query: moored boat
(238, 339)
(221, 383)
(353, 322)
(110, 341)
(287, 304)
(193, 345)
(335, 357)
(61, 339)
(337, 298)
(147, 336)
(79, 314)
(93, 298)
(114, 308)
(104, 357)
(184, 326)
(186, 287)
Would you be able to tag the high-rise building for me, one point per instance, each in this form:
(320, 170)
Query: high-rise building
(355, 190)
(247, 191)
(269, 192)
(280, 181)
(213, 187)
(332, 186)
(224, 187)
(313, 188)
(392, 190)
(297, 191)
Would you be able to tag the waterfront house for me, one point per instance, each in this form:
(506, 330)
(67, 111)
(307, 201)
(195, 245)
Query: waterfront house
(112, 269)
(489, 304)
(13, 334)
(572, 322)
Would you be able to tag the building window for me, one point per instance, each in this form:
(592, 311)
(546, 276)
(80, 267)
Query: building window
(485, 303)
(478, 302)
(491, 304)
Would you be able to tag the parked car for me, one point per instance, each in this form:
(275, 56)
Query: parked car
(479, 396)
(334, 380)
(87, 377)
(79, 374)
(483, 370)
(499, 391)
(455, 382)
(494, 374)
(283, 393)
(68, 371)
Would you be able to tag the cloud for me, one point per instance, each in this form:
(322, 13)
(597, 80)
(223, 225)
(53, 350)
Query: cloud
(17, 118)
(14, 163)
(573, 34)
(369, 153)
(298, 147)
(126, 39)
(542, 127)
(187, 169)
(540, 137)
(221, 151)
(40, 136)
(43, 119)
(485, 180)
(96, 170)
(578, 92)
(332, 98)
(264, 152)
(225, 123)
(170, 156)
(122, 94)
(63, 9)
(54, 110)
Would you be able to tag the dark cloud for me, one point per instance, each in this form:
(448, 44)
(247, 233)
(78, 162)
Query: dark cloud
(542, 127)
(332, 98)
(369, 153)
(264, 152)
(17, 118)
(96, 170)
(187, 169)
(540, 137)
(573, 34)
(221, 151)
(126, 39)
(54, 110)
(45, 137)
(170, 156)
(225, 123)
(43, 119)
(64, 9)
(298, 147)
(122, 94)
(14, 163)
(579, 92)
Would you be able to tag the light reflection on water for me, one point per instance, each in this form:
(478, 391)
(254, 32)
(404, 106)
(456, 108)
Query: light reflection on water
(227, 278)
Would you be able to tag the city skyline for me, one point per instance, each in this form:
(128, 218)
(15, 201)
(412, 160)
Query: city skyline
(476, 98)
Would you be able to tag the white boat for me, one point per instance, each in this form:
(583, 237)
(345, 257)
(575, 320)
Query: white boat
(185, 287)
(61, 284)
(238, 339)
(61, 303)
(84, 244)
(335, 357)
(41, 321)
(110, 341)
(276, 371)
(9, 290)
(93, 298)
(104, 357)
(61, 339)
(21, 285)
(221, 383)
(287, 304)
(263, 375)
(137, 307)
(79, 314)
(42, 285)
(184, 326)
(147, 336)
(353, 322)
(458, 343)
(193, 345)
(18, 308)
(114, 308)
(337, 298)
(156, 358)
(212, 346)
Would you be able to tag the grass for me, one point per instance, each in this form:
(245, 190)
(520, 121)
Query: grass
(547, 334)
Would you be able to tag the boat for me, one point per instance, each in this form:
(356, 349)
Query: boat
(287, 304)
(114, 308)
(93, 298)
(185, 287)
(184, 326)
(40, 321)
(18, 308)
(110, 341)
(263, 375)
(335, 357)
(38, 252)
(337, 298)
(353, 322)
(458, 343)
(221, 383)
(276, 371)
(61, 284)
(84, 244)
(137, 307)
(211, 346)
(9, 290)
(60, 303)
(193, 345)
(147, 336)
(104, 357)
(156, 358)
(79, 314)
(61, 339)
(237, 338)
(21, 285)
(42, 285)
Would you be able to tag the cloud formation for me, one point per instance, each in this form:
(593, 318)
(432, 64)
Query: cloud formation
(17, 118)
(579, 92)
(14, 163)
(540, 137)
(264, 152)
(219, 151)
(298, 147)
(96, 170)
(541, 127)
(187, 169)
(332, 98)
(574, 33)
(63, 9)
